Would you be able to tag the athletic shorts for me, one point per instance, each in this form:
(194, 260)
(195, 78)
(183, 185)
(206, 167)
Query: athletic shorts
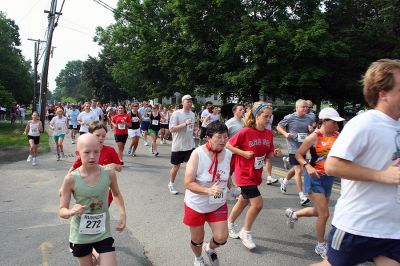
(121, 138)
(202, 132)
(250, 192)
(151, 131)
(178, 157)
(348, 249)
(133, 133)
(323, 184)
(72, 127)
(61, 136)
(36, 139)
(166, 126)
(144, 126)
(293, 161)
(81, 132)
(193, 218)
(82, 250)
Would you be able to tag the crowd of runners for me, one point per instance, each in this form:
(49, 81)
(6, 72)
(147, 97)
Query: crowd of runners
(230, 159)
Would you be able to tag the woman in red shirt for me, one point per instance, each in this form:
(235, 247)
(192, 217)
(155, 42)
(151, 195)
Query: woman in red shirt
(252, 145)
(121, 122)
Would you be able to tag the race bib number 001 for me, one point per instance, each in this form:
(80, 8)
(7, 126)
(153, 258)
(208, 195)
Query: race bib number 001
(219, 198)
(92, 224)
(259, 162)
(301, 137)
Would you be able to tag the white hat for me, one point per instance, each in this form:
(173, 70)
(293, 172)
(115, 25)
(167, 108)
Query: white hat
(186, 97)
(330, 113)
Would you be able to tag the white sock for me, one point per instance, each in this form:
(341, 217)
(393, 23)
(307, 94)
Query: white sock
(301, 194)
(198, 258)
(285, 181)
(171, 183)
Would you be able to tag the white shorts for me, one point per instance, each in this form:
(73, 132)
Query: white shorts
(133, 133)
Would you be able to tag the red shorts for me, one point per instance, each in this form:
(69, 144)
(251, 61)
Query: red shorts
(193, 218)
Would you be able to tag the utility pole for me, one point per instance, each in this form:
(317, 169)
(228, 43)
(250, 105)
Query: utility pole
(35, 73)
(45, 70)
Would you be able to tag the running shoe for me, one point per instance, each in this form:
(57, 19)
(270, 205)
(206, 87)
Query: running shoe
(146, 143)
(199, 262)
(283, 185)
(133, 154)
(172, 189)
(285, 160)
(321, 249)
(271, 180)
(72, 142)
(156, 154)
(304, 201)
(129, 151)
(211, 254)
(291, 220)
(34, 161)
(58, 157)
(247, 239)
(233, 231)
(29, 159)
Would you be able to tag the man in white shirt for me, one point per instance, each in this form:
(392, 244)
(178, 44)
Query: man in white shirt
(97, 110)
(366, 221)
(181, 126)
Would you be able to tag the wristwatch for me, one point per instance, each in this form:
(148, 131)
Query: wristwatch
(305, 163)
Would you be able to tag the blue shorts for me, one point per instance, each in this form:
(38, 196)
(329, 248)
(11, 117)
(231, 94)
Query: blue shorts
(144, 126)
(323, 184)
(348, 249)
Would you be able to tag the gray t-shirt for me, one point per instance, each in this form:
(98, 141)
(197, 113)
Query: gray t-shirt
(183, 139)
(234, 125)
(298, 127)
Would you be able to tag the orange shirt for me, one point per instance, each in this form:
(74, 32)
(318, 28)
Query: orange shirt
(322, 148)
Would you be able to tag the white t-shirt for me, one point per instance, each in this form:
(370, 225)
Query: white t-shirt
(201, 203)
(59, 124)
(87, 118)
(368, 209)
(183, 139)
(98, 111)
(234, 125)
(203, 116)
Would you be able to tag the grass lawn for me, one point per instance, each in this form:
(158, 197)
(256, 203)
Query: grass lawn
(11, 135)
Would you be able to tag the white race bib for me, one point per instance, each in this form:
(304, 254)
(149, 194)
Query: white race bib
(259, 162)
(218, 199)
(121, 126)
(35, 130)
(92, 224)
(74, 126)
(135, 119)
(301, 137)
(154, 122)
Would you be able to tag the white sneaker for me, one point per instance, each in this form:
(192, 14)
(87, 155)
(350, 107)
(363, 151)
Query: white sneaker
(304, 201)
(233, 231)
(58, 157)
(211, 254)
(145, 143)
(29, 158)
(271, 180)
(285, 162)
(283, 185)
(72, 142)
(34, 161)
(199, 262)
(172, 189)
(291, 220)
(321, 249)
(247, 239)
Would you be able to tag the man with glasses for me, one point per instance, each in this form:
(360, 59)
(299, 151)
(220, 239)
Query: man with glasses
(295, 128)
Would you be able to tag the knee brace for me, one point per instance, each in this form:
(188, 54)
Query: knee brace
(218, 244)
(195, 244)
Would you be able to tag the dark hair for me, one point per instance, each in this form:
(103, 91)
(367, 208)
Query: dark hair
(216, 127)
(236, 106)
(209, 102)
(95, 125)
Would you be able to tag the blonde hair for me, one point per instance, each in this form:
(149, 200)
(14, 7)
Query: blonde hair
(379, 77)
(250, 118)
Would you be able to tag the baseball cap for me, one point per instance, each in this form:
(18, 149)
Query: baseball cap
(187, 97)
(330, 113)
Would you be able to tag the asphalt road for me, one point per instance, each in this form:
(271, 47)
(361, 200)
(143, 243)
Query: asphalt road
(33, 234)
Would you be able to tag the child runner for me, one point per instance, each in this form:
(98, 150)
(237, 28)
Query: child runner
(59, 126)
(90, 223)
(72, 115)
(35, 128)
(252, 145)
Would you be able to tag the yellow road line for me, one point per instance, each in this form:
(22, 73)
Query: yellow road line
(44, 247)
